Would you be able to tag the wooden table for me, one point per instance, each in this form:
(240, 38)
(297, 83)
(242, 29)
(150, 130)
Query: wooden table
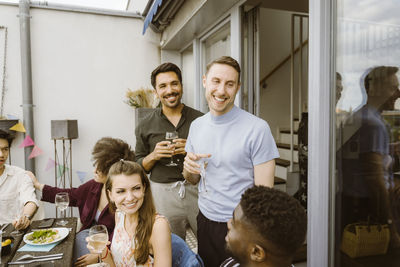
(66, 246)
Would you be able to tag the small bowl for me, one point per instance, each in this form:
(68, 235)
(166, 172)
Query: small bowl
(5, 250)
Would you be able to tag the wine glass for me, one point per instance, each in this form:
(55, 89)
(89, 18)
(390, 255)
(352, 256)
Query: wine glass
(171, 136)
(203, 162)
(62, 201)
(97, 239)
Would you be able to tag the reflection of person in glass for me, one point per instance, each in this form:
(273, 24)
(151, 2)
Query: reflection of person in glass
(367, 164)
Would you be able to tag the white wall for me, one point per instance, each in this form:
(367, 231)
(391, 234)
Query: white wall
(188, 78)
(82, 65)
(275, 45)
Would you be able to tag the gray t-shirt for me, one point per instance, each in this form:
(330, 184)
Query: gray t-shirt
(237, 141)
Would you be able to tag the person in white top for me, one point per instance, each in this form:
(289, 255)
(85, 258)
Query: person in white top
(17, 194)
(267, 229)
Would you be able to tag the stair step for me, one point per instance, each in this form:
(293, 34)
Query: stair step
(286, 146)
(281, 171)
(285, 138)
(282, 162)
(286, 154)
(278, 180)
(287, 131)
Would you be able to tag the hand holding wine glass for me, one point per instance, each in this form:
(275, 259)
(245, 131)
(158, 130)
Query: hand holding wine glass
(62, 202)
(97, 241)
(170, 136)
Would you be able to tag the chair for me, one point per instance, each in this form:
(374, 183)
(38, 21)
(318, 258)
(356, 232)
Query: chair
(182, 255)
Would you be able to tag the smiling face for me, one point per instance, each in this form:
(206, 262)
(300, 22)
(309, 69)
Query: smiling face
(221, 83)
(237, 238)
(169, 89)
(127, 193)
(4, 151)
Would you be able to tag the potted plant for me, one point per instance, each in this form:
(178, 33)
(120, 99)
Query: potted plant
(143, 100)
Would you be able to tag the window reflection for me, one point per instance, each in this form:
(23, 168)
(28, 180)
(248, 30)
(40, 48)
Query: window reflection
(368, 133)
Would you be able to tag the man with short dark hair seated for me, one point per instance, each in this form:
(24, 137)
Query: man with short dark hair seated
(267, 228)
(17, 194)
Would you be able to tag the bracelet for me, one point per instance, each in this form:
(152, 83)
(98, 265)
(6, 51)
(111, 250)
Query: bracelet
(106, 254)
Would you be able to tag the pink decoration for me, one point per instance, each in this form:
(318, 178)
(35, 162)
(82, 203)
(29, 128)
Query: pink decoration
(36, 151)
(27, 142)
(50, 164)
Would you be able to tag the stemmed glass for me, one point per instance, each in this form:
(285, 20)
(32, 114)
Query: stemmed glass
(62, 201)
(97, 239)
(202, 184)
(171, 136)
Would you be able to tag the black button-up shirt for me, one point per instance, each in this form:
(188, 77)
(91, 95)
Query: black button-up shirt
(151, 130)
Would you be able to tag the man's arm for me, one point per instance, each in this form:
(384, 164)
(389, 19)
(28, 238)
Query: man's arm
(264, 173)
(28, 198)
(26, 216)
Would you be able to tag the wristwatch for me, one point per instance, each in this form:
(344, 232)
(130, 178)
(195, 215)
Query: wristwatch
(28, 216)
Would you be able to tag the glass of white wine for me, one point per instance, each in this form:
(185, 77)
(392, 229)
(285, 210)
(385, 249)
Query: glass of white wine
(171, 136)
(62, 202)
(97, 239)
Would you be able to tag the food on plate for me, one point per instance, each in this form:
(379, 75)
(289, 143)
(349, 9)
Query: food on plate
(43, 236)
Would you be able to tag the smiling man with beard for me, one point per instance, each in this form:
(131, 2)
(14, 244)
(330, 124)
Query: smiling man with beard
(173, 197)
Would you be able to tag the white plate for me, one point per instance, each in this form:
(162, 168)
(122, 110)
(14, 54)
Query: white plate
(62, 233)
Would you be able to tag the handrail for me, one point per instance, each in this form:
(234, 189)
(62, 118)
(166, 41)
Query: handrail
(286, 59)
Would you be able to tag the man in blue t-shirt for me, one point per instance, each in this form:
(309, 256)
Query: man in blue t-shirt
(236, 151)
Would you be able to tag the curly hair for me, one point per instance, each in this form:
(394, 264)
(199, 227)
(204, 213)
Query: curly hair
(109, 150)
(8, 136)
(277, 217)
(147, 211)
(165, 67)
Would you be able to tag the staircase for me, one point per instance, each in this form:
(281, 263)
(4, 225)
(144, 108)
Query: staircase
(286, 180)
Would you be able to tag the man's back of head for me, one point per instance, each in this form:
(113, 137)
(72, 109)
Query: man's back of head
(267, 228)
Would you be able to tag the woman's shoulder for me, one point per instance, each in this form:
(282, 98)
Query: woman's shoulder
(160, 223)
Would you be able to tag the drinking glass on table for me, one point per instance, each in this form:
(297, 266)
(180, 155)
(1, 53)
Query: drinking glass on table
(62, 201)
(170, 136)
(97, 239)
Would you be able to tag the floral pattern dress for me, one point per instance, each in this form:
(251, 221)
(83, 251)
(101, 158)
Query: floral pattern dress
(123, 246)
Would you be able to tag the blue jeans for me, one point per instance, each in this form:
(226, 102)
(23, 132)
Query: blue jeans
(80, 248)
(182, 255)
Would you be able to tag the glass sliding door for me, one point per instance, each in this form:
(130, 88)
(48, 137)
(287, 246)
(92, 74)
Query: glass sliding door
(367, 146)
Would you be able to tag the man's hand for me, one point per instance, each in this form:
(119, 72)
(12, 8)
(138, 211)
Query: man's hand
(163, 149)
(191, 168)
(22, 223)
(180, 144)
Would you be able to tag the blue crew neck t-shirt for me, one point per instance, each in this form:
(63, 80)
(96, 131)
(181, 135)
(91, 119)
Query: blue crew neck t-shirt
(237, 141)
